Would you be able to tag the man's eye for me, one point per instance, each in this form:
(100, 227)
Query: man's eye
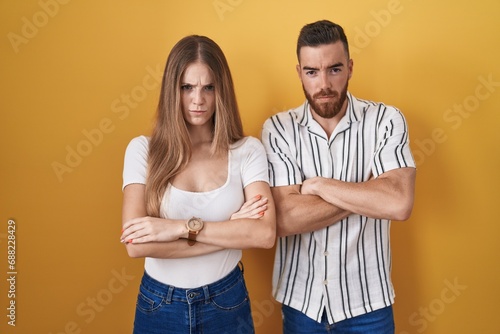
(310, 73)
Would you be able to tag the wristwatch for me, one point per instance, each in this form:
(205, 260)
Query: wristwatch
(194, 226)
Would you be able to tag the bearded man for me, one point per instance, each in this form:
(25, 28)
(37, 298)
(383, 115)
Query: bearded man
(340, 170)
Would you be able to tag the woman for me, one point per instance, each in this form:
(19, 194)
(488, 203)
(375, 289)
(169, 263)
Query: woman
(195, 194)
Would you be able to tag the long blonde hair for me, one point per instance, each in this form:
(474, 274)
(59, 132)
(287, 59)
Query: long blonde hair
(170, 144)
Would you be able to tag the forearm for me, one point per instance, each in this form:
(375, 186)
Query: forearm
(241, 233)
(297, 213)
(165, 238)
(169, 250)
(245, 229)
(386, 197)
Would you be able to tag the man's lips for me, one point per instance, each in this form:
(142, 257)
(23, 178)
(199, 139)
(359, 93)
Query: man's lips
(325, 97)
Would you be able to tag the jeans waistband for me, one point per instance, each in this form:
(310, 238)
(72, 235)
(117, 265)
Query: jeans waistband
(171, 293)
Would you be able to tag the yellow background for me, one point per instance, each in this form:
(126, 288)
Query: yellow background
(82, 76)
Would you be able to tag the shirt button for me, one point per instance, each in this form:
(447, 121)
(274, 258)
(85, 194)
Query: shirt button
(326, 253)
(325, 282)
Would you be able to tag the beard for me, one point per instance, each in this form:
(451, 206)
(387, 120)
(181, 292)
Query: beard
(327, 109)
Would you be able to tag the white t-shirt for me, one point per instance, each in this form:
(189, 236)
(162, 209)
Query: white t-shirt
(247, 163)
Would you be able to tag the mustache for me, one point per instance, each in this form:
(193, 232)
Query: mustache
(325, 92)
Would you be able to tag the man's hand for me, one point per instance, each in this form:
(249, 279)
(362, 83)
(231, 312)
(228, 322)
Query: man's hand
(309, 186)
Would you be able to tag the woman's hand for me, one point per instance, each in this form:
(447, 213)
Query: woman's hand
(253, 208)
(150, 229)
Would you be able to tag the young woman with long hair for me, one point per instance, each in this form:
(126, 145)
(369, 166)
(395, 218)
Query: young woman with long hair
(195, 193)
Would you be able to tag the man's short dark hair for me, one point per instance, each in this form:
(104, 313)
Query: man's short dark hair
(319, 33)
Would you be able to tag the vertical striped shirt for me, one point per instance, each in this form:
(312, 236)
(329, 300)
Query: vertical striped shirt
(343, 269)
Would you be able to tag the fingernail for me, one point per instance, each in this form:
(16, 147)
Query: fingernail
(130, 241)
(261, 213)
(259, 196)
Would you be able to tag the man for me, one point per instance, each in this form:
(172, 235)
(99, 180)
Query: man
(341, 169)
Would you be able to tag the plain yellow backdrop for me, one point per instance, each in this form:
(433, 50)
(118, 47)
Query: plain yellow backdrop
(79, 79)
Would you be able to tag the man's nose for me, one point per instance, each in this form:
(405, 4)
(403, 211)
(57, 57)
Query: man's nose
(325, 82)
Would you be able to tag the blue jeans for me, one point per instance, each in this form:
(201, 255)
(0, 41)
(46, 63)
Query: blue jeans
(376, 322)
(218, 308)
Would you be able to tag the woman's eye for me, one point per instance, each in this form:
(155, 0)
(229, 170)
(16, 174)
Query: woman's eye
(210, 88)
(186, 87)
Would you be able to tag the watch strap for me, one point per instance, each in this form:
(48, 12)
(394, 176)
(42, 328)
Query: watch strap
(193, 233)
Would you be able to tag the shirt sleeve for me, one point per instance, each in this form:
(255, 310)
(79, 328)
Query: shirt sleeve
(135, 161)
(283, 167)
(254, 166)
(393, 144)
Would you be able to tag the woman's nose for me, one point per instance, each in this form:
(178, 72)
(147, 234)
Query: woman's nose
(198, 97)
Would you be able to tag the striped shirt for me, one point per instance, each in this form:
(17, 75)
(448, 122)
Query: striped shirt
(343, 269)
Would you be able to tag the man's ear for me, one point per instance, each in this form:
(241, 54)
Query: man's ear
(298, 69)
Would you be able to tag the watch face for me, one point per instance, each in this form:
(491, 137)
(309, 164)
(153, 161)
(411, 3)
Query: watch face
(195, 224)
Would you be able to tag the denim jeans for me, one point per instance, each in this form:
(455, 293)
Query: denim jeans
(218, 308)
(376, 322)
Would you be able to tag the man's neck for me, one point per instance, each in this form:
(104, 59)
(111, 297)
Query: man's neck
(329, 124)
